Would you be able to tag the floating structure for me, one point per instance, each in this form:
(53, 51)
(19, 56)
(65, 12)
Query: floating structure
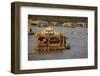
(48, 39)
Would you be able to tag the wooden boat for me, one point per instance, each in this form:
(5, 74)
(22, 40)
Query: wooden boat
(50, 40)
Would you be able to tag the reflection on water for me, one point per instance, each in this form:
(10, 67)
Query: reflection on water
(77, 37)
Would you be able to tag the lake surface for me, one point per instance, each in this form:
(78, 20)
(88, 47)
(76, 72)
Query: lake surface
(77, 38)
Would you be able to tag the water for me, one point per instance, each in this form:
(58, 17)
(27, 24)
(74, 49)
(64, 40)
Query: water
(77, 38)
